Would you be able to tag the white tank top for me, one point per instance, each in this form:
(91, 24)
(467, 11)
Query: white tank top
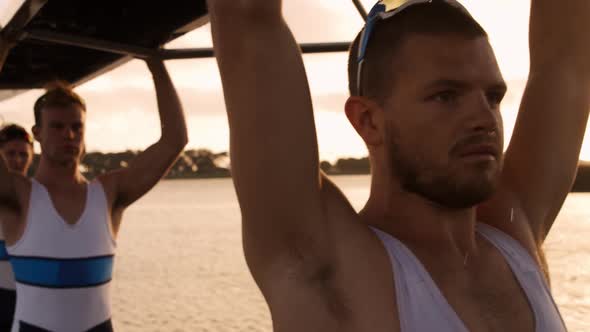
(6, 275)
(422, 307)
(63, 271)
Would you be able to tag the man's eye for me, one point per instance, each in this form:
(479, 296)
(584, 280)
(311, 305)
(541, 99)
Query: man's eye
(495, 97)
(445, 96)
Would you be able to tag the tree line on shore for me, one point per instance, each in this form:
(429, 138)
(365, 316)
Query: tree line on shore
(362, 166)
(203, 163)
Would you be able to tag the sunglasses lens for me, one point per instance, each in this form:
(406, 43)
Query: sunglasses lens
(382, 7)
(393, 4)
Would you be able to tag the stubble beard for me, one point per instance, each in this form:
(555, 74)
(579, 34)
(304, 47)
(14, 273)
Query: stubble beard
(439, 184)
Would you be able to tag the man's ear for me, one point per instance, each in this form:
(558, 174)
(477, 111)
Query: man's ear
(366, 116)
(36, 132)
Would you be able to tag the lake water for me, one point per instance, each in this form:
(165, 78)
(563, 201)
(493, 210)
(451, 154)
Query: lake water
(180, 265)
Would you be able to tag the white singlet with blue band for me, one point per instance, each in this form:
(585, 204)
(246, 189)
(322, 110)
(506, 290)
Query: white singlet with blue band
(63, 271)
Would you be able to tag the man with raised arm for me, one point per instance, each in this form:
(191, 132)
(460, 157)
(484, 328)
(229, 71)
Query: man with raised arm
(16, 147)
(60, 229)
(425, 253)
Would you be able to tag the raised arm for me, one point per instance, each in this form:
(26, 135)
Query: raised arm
(274, 152)
(152, 164)
(14, 188)
(7, 179)
(542, 158)
(7, 186)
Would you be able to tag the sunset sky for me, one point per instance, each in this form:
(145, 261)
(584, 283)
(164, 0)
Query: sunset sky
(122, 108)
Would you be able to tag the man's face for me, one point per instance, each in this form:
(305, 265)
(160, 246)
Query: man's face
(18, 155)
(61, 134)
(444, 136)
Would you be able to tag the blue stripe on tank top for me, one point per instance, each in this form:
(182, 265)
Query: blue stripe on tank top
(3, 253)
(62, 273)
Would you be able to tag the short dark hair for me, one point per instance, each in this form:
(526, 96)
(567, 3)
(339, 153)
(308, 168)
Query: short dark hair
(436, 18)
(58, 94)
(14, 132)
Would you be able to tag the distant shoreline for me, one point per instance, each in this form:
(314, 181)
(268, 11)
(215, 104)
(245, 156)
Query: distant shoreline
(581, 185)
(205, 164)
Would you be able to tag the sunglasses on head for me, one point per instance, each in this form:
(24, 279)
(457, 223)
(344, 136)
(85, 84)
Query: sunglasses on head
(12, 133)
(383, 10)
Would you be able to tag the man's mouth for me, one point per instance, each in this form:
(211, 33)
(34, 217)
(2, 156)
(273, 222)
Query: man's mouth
(486, 151)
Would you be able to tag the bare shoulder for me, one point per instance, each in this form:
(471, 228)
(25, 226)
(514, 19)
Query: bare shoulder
(22, 189)
(13, 212)
(348, 286)
(109, 182)
(505, 212)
